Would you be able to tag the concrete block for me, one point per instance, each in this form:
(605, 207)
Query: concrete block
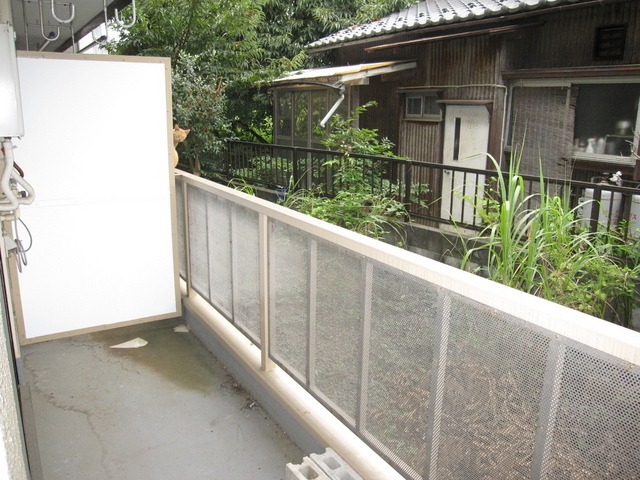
(307, 470)
(334, 466)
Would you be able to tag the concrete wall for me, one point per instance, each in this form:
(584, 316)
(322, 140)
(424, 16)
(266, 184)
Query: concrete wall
(12, 458)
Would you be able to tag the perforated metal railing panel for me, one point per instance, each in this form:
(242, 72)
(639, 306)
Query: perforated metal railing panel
(400, 364)
(443, 386)
(218, 221)
(493, 382)
(198, 241)
(338, 327)
(246, 271)
(289, 305)
(595, 419)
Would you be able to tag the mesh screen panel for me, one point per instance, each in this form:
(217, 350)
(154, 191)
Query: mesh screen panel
(596, 432)
(442, 386)
(246, 272)
(182, 251)
(338, 327)
(198, 245)
(492, 391)
(219, 241)
(289, 298)
(400, 363)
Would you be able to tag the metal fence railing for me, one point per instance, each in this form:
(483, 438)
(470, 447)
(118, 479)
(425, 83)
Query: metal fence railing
(445, 374)
(431, 191)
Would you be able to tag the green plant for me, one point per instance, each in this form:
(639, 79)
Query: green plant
(267, 169)
(364, 203)
(365, 213)
(241, 185)
(544, 250)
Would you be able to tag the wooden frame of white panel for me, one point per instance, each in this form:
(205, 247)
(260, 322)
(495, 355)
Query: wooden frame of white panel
(117, 114)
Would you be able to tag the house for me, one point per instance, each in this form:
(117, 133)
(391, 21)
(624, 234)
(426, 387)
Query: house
(454, 80)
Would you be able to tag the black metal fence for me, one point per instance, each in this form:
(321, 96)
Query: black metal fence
(431, 191)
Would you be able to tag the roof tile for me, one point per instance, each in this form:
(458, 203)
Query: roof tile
(433, 12)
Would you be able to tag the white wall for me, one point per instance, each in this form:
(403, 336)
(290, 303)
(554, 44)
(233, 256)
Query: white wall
(96, 151)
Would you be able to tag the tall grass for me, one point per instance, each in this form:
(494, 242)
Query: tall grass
(544, 250)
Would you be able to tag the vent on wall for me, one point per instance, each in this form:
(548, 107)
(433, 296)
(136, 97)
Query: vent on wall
(610, 42)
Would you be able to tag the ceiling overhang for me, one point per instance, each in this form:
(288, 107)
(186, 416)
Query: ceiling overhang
(31, 31)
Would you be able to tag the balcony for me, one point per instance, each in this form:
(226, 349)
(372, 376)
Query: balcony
(406, 367)
(441, 373)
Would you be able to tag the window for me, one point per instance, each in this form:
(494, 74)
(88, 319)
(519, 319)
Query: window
(610, 42)
(298, 114)
(423, 106)
(606, 118)
(570, 125)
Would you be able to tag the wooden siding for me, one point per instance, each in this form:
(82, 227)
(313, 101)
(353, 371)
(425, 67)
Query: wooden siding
(470, 69)
(384, 116)
(566, 39)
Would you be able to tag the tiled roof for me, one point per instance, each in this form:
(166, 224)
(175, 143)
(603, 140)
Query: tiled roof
(434, 12)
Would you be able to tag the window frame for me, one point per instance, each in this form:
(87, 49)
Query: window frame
(302, 97)
(576, 82)
(422, 116)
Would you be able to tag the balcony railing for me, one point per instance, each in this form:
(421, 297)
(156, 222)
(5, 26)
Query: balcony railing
(419, 185)
(445, 374)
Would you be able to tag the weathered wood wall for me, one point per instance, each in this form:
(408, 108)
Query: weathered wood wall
(551, 39)
(566, 38)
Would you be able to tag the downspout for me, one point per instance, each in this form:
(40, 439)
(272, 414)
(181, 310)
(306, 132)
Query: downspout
(341, 91)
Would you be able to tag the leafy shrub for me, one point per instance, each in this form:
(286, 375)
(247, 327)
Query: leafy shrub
(547, 252)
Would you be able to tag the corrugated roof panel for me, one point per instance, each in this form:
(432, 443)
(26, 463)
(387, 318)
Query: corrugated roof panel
(344, 73)
(434, 12)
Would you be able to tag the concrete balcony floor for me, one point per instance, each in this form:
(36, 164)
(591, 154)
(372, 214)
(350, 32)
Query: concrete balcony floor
(167, 410)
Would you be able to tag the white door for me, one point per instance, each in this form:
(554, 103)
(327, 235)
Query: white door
(466, 138)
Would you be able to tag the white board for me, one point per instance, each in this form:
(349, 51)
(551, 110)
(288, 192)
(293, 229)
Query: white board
(97, 152)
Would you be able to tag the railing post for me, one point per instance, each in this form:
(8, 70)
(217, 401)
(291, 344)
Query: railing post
(296, 168)
(187, 238)
(227, 159)
(434, 414)
(548, 409)
(595, 208)
(408, 180)
(366, 299)
(263, 245)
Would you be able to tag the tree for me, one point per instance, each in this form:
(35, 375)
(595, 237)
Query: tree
(224, 52)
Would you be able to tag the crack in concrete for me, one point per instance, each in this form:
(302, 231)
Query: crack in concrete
(55, 402)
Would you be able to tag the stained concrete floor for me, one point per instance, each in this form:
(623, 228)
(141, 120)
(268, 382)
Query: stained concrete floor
(167, 410)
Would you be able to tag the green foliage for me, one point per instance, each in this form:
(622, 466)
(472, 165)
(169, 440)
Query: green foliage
(346, 138)
(362, 204)
(289, 26)
(546, 251)
(198, 104)
(242, 186)
(365, 213)
(223, 51)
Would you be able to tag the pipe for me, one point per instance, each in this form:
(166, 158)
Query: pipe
(5, 186)
(72, 10)
(334, 108)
